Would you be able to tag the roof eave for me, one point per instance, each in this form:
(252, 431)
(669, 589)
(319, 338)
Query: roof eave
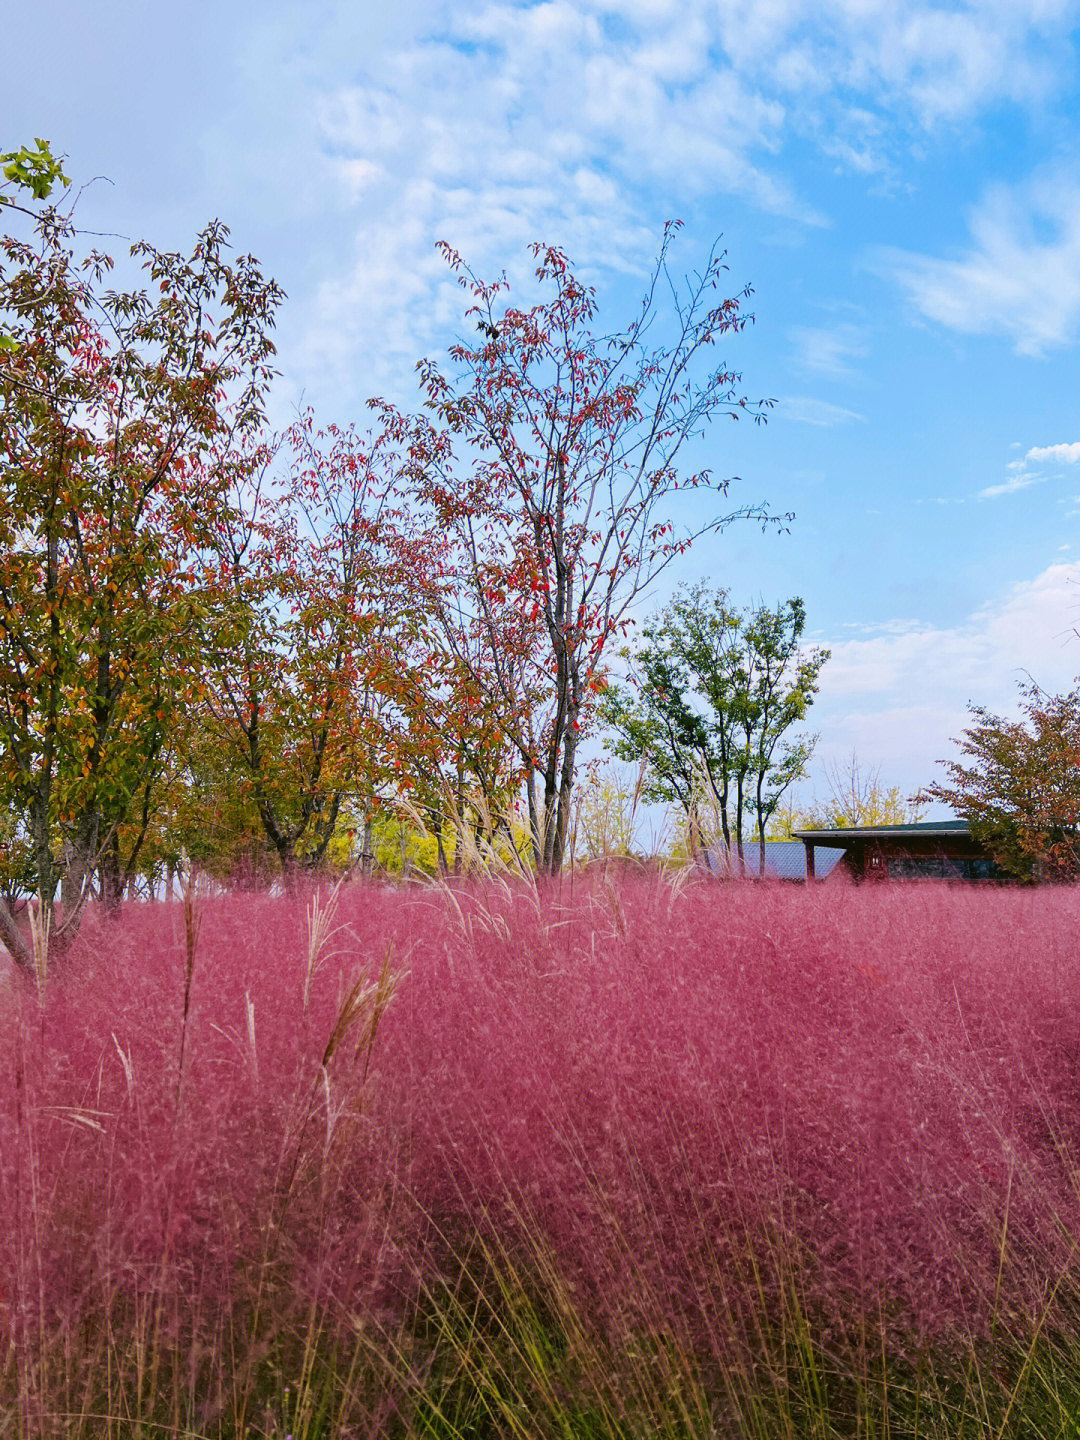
(888, 832)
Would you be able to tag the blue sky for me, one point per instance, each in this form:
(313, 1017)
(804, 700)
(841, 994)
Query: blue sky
(900, 183)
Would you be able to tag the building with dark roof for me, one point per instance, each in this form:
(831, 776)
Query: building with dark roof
(934, 849)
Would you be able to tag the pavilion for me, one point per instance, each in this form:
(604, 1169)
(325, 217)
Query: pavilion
(938, 849)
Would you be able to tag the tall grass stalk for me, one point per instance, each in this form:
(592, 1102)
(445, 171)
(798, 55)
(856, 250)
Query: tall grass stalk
(39, 917)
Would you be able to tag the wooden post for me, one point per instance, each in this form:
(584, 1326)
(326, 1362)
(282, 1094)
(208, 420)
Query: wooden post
(808, 846)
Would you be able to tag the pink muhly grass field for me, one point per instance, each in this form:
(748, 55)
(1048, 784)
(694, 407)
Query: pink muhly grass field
(684, 1100)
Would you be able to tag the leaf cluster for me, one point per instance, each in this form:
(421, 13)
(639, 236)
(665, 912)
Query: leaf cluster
(548, 456)
(709, 706)
(1019, 784)
(238, 650)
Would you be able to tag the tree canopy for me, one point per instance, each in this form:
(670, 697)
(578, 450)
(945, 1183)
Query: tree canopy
(709, 706)
(547, 457)
(225, 646)
(111, 404)
(1019, 784)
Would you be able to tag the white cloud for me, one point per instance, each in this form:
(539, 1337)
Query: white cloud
(904, 742)
(875, 689)
(1018, 481)
(1030, 627)
(805, 410)
(858, 140)
(501, 123)
(936, 61)
(1020, 276)
(827, 350)
(1066, 454)
(1021, 475)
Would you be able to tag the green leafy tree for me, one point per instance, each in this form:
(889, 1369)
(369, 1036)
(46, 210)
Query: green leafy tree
(712, 698)
(781, 680)
(677, 712)
(38, 170)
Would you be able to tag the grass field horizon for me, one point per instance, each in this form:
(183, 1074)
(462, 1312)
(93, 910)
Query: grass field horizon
(615, 1156)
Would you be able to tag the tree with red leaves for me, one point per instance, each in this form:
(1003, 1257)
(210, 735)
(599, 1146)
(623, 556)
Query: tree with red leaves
(307, 650)
(109, 403)
(1020, 791)
(468, 688)
(548, 456)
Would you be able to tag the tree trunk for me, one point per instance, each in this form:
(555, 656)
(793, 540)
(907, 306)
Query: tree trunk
(440, 849)
(565, 793)
(693, 833)
(759, 808)
(290, 869)
(17, 944)
(547, 852)
(111, 876)
(79, 864)
(458, 820)
(535, 826)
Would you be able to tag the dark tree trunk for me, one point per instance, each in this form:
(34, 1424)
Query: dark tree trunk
(759, 807)
(111, 876)
(15, 940)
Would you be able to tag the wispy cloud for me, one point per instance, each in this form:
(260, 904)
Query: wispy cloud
(931, 62)
(1020, 275)
(1022, 475)
(1029, 628)
(805, 410)
(496, 124)
(1020, 481)
(827, 350)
